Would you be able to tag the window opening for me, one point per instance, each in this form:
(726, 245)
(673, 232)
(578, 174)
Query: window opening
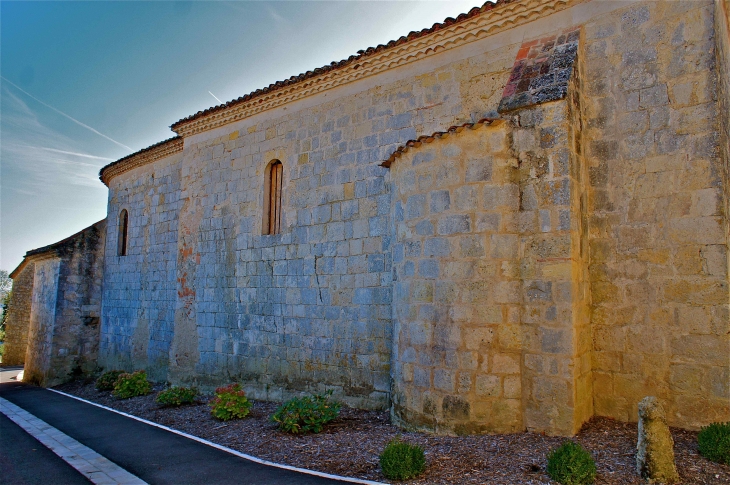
(272, 200)
(123, 229)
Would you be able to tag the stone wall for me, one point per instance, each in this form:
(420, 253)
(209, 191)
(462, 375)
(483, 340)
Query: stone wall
(18, 319)
(658, 243)
(78, 309)
(457, 289)
(492, 330)
(566, 262)
(63, 335)
(310, 308)
(42, 319)
(139, 293)
(722, 46)
(553, 253)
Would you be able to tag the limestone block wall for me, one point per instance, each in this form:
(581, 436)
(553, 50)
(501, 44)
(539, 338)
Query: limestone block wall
(78, 306)
(722, 46)
(63, 332)
(18, 319)
(457, 289)
(139, 293)
(307, 309)
(555, 320)
(42, 319)
(658, 243)
(491, 294)
(588, 270)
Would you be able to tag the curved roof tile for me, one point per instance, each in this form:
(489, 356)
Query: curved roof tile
(434, 136)
(489, 5)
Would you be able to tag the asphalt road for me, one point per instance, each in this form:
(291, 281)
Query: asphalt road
(25, 461)
(154, 455)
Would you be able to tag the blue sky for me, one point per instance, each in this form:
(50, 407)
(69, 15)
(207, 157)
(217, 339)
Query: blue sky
(86, 83)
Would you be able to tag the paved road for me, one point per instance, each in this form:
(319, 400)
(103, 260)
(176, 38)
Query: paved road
(152, 454)
(24, 461)
(10, 373)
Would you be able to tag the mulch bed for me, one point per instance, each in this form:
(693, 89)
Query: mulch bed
(350, 445)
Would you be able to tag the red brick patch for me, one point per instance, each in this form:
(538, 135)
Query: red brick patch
(541, 71)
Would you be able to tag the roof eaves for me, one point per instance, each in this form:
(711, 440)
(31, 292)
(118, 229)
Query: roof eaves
(361, 54)
(437, 135)
(163, 148)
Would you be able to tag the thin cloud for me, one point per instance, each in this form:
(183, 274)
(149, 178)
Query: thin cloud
(61, 161)
(22, 191)
(64, 114)
(39, 158)
(76, 154)
(275, 15)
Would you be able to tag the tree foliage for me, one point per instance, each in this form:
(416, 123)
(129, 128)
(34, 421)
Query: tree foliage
(6, 284)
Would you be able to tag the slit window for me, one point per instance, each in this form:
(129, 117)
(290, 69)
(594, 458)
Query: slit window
(272, 198)
(123, 230)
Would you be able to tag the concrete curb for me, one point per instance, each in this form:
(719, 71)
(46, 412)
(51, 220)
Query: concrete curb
(97, 468)
(223, 448)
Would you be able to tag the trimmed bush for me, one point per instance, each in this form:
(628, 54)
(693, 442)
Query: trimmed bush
(306, 414)
(177, 396)
(106, 381)
(131, 385)
(230, 402)
(571, 464)
(401, 460)
(714, 442)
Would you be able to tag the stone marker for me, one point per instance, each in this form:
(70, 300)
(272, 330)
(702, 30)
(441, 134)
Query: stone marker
(655, 448)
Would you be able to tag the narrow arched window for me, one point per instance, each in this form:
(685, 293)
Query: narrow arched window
(272, 198)
(123, 230)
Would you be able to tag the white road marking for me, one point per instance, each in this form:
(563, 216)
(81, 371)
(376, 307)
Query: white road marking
(228, 450)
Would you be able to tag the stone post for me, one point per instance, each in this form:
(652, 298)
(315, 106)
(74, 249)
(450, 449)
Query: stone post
(655, 448)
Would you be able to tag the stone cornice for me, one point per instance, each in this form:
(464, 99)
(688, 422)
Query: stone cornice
(142, 157)
(483, 25)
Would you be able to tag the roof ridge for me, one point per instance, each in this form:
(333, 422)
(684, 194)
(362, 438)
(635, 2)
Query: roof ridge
(475, 11)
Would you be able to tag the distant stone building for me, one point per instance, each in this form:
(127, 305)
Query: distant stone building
(516, 219)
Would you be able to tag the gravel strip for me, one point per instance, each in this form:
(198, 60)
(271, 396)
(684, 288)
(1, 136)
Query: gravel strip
(350, 445)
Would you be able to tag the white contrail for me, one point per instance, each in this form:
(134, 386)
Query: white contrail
(84, 155)
(64, 114)
(216, 97)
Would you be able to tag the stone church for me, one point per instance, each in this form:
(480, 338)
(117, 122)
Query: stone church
(514, 219)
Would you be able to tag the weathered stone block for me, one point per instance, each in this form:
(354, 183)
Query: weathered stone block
(655, 447)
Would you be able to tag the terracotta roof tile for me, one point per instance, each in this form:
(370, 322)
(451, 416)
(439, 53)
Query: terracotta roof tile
(435, 136)
(337, 65)
(114, 164)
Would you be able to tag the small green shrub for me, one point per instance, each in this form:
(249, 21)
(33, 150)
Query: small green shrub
(177, 396)
(401, 460)
(230, 402)
(571, 464)
(714, 442)
(131, 385)
(106, 381)
(306, 414)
